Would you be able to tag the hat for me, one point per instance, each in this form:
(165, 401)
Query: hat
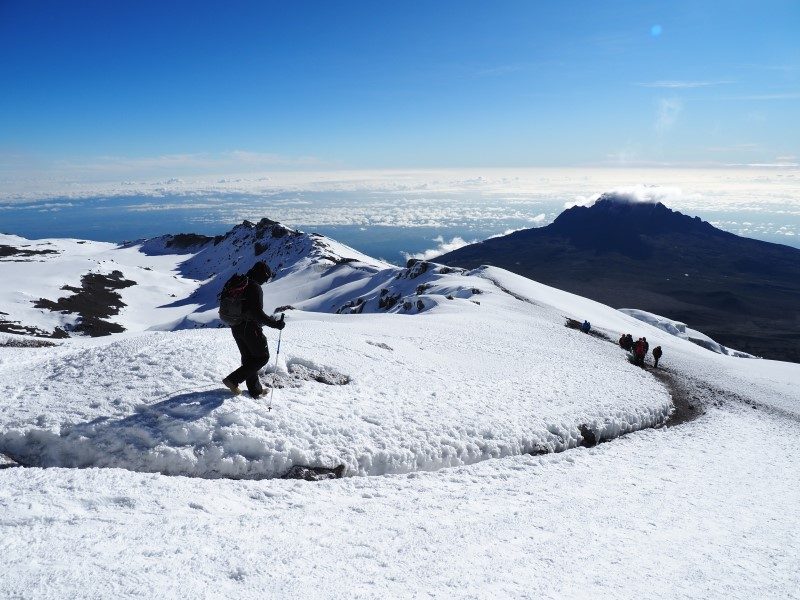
(260, 272)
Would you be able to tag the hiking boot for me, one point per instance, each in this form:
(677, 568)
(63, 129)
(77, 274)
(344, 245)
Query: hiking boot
(258, 395)
(231, 386)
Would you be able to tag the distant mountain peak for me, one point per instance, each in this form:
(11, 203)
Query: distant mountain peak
(621, 252)
(617, 214)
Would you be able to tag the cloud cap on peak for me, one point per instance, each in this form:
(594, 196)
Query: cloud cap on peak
(635, 194)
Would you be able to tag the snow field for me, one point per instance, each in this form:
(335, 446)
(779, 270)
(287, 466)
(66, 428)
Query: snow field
(770, 383)
(453, 387)
(43, 276)
(705, 510)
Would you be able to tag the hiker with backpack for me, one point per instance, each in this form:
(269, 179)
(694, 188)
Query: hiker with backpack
(656, 356)
(242, 307)
(639, 352)
(586, 327)
(626, 342)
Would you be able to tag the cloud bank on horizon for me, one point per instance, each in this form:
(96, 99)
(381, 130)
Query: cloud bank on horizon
(738, 187)
(465, 203)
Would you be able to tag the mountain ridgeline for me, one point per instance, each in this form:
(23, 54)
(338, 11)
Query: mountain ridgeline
(745, 293)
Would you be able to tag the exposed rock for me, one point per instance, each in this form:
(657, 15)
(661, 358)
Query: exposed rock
(17, 328)
(414, 268)
(183, 241)
(95, 301)
(589, 439)
(354, 307)
(279, 231)
(387, 300)
(380, 345)
(26, 343)
(6, 462)
(575, 324)
(314, 473)
(340, 260)
(6, 251)
(448, 270)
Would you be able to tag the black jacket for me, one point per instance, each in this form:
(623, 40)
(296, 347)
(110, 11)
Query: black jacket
(253, 306)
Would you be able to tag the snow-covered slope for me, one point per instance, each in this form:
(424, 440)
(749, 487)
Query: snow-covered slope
(485, 368)
(446, 383)
(707, 510)
(30, 278)
(173, 282)
(680, 330)
(458, 384)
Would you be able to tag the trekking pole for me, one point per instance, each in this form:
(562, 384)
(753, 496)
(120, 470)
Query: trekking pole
(277, 354)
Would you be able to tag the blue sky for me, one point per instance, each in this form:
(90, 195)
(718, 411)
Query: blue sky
(140, 88)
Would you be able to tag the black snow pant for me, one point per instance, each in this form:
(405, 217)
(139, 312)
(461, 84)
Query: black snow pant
(655, 361)
(253, 347)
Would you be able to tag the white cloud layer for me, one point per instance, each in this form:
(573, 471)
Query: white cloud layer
(463, 199)
(442, 248)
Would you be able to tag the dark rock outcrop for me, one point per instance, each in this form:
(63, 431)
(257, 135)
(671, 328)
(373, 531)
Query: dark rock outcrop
(314, 473)
(94, 302)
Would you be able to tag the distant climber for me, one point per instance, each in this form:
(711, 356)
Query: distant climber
(626, 342)
(656, 355)
(646, 345)
(242, 307)
(586, 327)
(639, 352)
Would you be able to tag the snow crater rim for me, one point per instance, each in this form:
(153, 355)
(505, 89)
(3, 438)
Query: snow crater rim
(80, 446)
